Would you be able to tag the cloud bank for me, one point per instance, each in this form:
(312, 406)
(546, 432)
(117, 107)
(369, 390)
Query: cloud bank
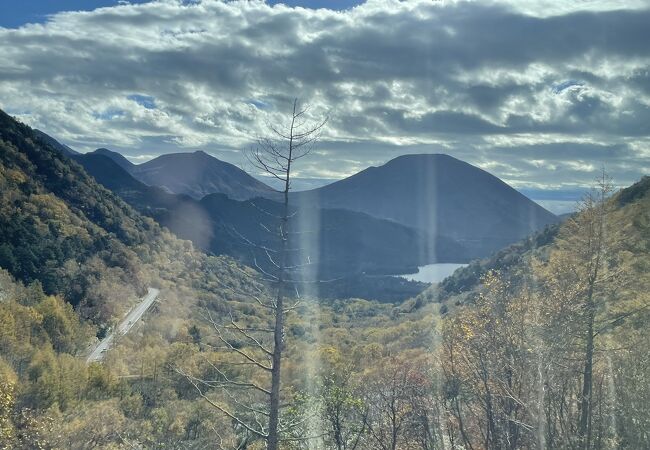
(539, 93)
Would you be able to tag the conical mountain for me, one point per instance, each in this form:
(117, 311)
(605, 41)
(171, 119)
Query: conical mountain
(441, 196)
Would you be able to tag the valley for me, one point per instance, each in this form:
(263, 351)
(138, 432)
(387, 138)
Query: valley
(339, 239)
(82, 238)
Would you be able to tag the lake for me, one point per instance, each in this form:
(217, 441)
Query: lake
(433, 273)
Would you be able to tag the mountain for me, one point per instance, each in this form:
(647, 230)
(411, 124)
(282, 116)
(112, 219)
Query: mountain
(107, 172)
(117, 158)
(337, 242)
(197, 175)
(441, 196)
(60, 228)
(630, 207)
(54, 143)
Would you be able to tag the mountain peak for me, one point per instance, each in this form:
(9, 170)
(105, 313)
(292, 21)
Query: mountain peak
(421, 156)
(186, 157)
(441, 196)
(200, 155)
(118, 158)
(198, 174)
(427, 158)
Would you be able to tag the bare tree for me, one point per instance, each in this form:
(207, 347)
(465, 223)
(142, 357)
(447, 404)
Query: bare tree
(275, 155)
(587, 286)
(261, 347)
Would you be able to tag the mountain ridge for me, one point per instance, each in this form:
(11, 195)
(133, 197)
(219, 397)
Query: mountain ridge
(217, 224)
(54, 143)
(442, 197)
(198, 174)
(118, 158)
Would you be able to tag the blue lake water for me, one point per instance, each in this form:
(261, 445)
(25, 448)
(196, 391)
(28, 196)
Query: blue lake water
(433, 273)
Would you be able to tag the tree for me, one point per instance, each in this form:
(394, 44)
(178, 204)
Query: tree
(400, 404)
(344, 410)
(486, 353)
(590, 287)
(275, 155)
(585, 271)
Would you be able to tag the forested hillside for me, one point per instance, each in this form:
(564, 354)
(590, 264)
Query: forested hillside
(551, 351)
(73, 258)
(61, 228)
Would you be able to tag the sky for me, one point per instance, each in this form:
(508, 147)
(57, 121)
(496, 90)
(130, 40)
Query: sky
(541, 93)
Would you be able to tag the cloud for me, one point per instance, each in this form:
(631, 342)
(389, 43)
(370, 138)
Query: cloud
(537, 92)
(137, 159)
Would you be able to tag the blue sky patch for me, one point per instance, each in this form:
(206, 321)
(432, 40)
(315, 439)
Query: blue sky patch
(563, 86)
(14, 14)
(259, 104)
(147, 101)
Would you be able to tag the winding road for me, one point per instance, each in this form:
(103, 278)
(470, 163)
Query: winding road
(131, 319)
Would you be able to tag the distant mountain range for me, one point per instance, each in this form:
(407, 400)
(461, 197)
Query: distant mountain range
(335, 242)
(195, 174)
(435, 207)
(439, 196)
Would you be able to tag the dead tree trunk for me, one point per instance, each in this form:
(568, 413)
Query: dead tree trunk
(260, 415)
(278, 330)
